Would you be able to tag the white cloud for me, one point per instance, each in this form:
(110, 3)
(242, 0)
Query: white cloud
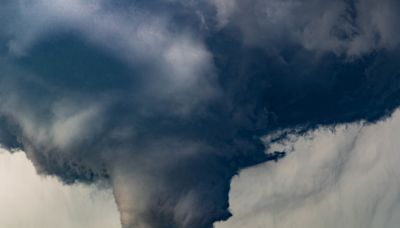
(348, 177)
(30, 201)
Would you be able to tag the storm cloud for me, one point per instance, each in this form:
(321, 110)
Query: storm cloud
(166, 101)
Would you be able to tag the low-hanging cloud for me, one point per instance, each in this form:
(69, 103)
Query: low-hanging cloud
(167, 101)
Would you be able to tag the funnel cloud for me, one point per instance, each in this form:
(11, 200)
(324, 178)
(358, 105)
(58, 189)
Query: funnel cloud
(165, 101)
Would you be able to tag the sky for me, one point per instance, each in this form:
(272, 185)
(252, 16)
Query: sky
(29, 200)
(166, 105)
(345, 176)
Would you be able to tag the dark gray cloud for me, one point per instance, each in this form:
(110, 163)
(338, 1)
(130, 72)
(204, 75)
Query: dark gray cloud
(166, 101)
(344, 27)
